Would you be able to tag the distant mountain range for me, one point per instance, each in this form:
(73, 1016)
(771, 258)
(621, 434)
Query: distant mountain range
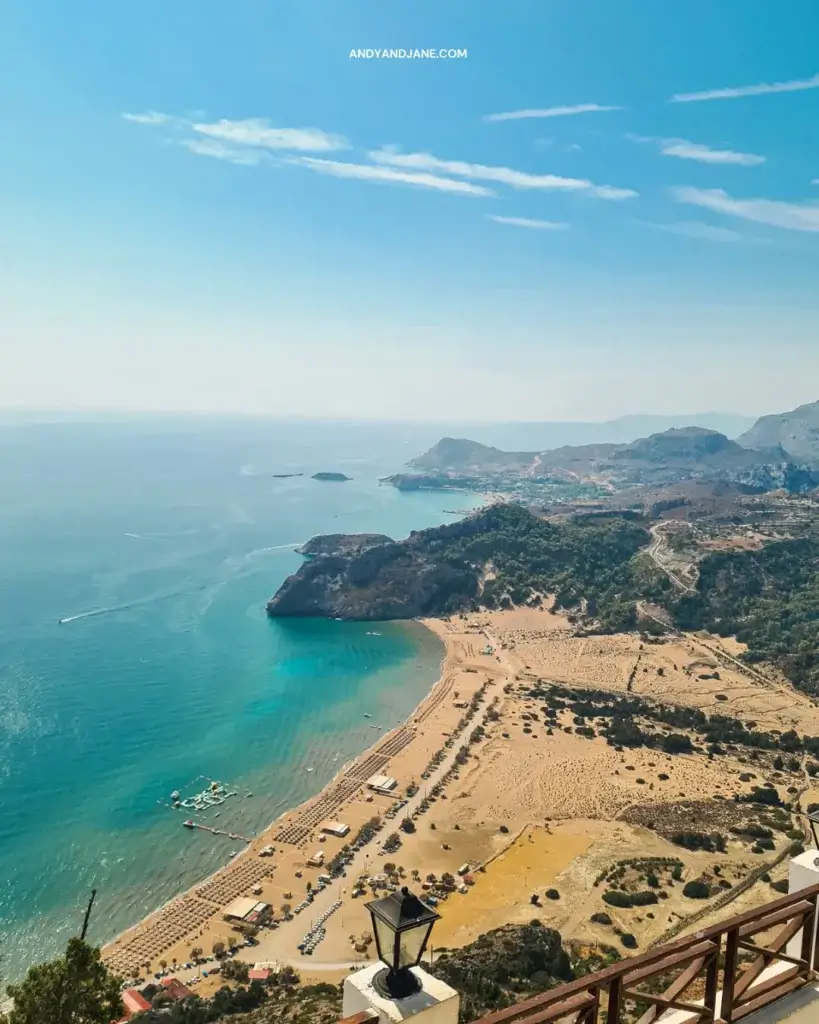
(775, 452)
(544, 436)
(688, 453)
(796, 431)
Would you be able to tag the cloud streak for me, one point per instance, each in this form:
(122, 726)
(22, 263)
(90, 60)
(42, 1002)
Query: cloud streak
(501, 175)
(254, 133)
(219, 151)
(701, 231)
(775, 212)
(389, 175)
(258, 133)
(704, 154)
(578, 108)
(686, 150)
(738, 92)
(149, 117)
(527, 222)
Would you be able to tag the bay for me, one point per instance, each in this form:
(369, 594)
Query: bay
(157, 542)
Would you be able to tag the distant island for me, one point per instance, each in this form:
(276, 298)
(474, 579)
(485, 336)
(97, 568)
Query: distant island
(337, 477)
(285, 476)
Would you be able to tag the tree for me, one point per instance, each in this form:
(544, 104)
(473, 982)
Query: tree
(75, 989)
(407, 825)
(196, 952)
(218, 948)
(236, 970)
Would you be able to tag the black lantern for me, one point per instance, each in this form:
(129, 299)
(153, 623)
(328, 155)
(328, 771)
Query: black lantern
(401, 925)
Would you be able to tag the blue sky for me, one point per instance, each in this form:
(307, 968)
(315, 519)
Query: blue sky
(603, 208)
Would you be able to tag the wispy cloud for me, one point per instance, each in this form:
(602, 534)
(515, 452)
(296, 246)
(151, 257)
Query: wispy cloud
(612, 192)
(704, 154)
(480, 172)
(815, 181)
(762, 89)
(258, 132)
(579, 108)
(150, 117)
(790, 216)
(501, 175)
(219, 151)
(389, 175)
(703, 232)
(252, 134)
(686, 150)
(527, 222)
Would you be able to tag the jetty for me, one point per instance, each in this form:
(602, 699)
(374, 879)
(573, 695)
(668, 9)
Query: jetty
(215, 831)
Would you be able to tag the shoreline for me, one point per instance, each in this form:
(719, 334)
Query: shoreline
(522, 803)
(118, 949)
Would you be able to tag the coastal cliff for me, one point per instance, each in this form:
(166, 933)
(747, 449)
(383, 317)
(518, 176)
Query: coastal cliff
(342, 543)
(498, 555)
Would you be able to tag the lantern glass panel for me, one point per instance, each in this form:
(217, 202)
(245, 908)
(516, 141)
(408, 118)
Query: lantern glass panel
(411, 945)
(385, 940)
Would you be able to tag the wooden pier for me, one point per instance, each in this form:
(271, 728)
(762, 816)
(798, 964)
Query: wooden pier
(216, 831)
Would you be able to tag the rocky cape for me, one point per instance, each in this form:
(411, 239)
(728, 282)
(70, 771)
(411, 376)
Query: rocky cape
(349, 578)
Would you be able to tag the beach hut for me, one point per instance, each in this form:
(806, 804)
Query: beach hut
(381, 784)
(335, 828)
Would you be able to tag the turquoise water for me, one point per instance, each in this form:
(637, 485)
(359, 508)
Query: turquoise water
(160, 542)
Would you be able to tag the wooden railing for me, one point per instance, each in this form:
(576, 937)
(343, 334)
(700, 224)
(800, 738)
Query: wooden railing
(719, 974)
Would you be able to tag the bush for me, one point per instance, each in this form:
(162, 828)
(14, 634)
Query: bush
(600, 918)
(677, 743)
(699, 841)
(780, 886)
(552, 894)
(696, 890)
(618, 898)
(628, 940)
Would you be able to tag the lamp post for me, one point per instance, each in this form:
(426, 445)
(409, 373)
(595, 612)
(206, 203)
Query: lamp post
(401, 925)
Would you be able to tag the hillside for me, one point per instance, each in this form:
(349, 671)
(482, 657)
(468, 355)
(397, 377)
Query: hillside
(796, 431)
(679, 454)
(499, 555)
(462, 455)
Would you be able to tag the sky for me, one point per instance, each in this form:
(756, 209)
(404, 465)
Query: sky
(580, 210)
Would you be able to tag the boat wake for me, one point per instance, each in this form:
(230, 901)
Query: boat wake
(112, 609)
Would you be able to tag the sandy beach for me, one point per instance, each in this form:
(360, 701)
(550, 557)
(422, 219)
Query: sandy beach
(524, 809)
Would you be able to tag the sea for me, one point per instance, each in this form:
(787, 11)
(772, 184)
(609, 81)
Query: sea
(136, 658)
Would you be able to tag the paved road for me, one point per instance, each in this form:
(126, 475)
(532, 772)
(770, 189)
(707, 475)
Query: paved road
(281, 944)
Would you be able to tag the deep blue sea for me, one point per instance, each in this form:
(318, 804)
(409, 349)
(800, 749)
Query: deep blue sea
(160, 541)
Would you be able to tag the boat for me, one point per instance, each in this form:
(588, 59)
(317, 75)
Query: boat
(372, 633)
(367, 715)
(188, 824)
(309, 769)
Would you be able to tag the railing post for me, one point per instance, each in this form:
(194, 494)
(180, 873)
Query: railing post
(711, 986)
(815, 949)
(591, 1015)
(808, 931)
(729, 976)
(615, 1004)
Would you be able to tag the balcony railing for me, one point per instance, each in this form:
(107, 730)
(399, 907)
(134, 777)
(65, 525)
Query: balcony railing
(720, 974)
